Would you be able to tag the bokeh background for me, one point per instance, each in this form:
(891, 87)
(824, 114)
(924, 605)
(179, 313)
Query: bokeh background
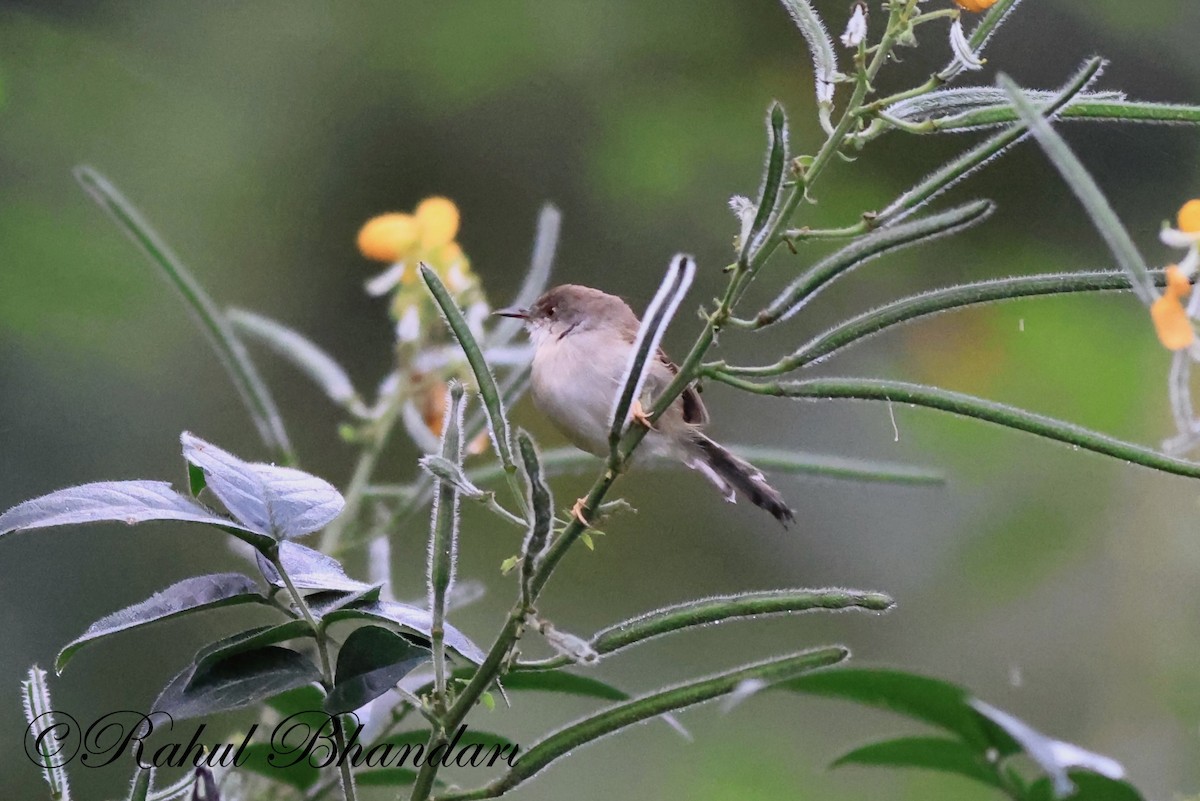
(258, 136)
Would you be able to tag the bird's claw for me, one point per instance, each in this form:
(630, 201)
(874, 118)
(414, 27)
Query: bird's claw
(640, 417)
(577, 512)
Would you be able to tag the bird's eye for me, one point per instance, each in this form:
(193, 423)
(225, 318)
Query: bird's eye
(551, 312)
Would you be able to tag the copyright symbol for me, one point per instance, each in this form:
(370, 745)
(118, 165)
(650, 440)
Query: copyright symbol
(52, 739)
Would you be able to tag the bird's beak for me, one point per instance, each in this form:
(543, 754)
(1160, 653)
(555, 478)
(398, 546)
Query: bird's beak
(512, 311)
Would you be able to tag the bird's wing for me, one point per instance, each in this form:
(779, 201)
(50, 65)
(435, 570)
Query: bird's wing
(693, 408)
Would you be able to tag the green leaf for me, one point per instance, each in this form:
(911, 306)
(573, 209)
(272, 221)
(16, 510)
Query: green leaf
(309, 569)
(875, 244)
(388, 777)
(970, 406)
(196, 482)
(252, 639)
(1083, 110)
(632, 712)
(315, 363)
(644, 352)
(302, 775)
(411, 619)
(229, 349)
(768, 196)
(126, 502)
(239, 681)
(280, 502)
(1088, 787)
(1085, 188)
(731, 607)
(934, 753)
(190, 595)
(933, 701)
(541, 502)
(139, 788)
(301, 699)
(371, 662)
(492, 402)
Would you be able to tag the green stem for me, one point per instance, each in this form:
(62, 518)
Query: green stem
(968, 406)
(339, 735)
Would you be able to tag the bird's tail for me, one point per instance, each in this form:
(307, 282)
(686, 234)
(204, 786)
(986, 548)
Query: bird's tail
(733, 475)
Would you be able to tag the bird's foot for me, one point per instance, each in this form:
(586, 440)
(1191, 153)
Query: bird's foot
(640, 417)
(577, 512)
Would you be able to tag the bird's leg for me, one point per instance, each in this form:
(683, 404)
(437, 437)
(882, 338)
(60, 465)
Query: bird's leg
(577, 512)
(639, 415)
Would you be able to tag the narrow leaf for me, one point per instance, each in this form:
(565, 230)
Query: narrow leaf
(541, 502)
(915, 307)
(945, 105)
(732, 607)
(190, 595)
(825, 68)
(310, 359)
(43, 731)
(492, 402)
(960, 167)
(126, 502)
(229, 349)
(971, 406)
(875, 244)
(1088, 787)
(545, 243)
(1085, 188)
(558, 681)
(768, 196)
(139, 788)
(658, 316)
(629, 713)
(835, 467)
(933, 753)
(371, 662)
(281, 502)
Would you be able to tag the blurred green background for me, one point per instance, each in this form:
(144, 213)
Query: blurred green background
(258, 136)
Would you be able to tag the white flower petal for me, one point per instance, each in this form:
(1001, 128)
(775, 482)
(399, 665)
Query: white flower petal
(856, 28)
(964, 56)
(386, 281)
(1174, 238)
(409, 327)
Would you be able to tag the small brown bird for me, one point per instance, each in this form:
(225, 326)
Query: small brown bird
(583, 339)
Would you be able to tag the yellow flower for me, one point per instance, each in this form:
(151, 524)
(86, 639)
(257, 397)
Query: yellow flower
(1170, 318)
(975, 5)
(388, 237)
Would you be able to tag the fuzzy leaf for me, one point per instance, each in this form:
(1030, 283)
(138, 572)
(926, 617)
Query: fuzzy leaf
(371, 662)
(238, 681)
(126, 502)
(410, 619)
(309, 569)
(252, 639)
(301, 775)
(281, 502)
(190, 595)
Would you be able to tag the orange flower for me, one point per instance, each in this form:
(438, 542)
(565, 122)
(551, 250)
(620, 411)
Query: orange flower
(1170, 318)
(975, 5)
(1188, 218)
(433, 411)
(388, 237)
